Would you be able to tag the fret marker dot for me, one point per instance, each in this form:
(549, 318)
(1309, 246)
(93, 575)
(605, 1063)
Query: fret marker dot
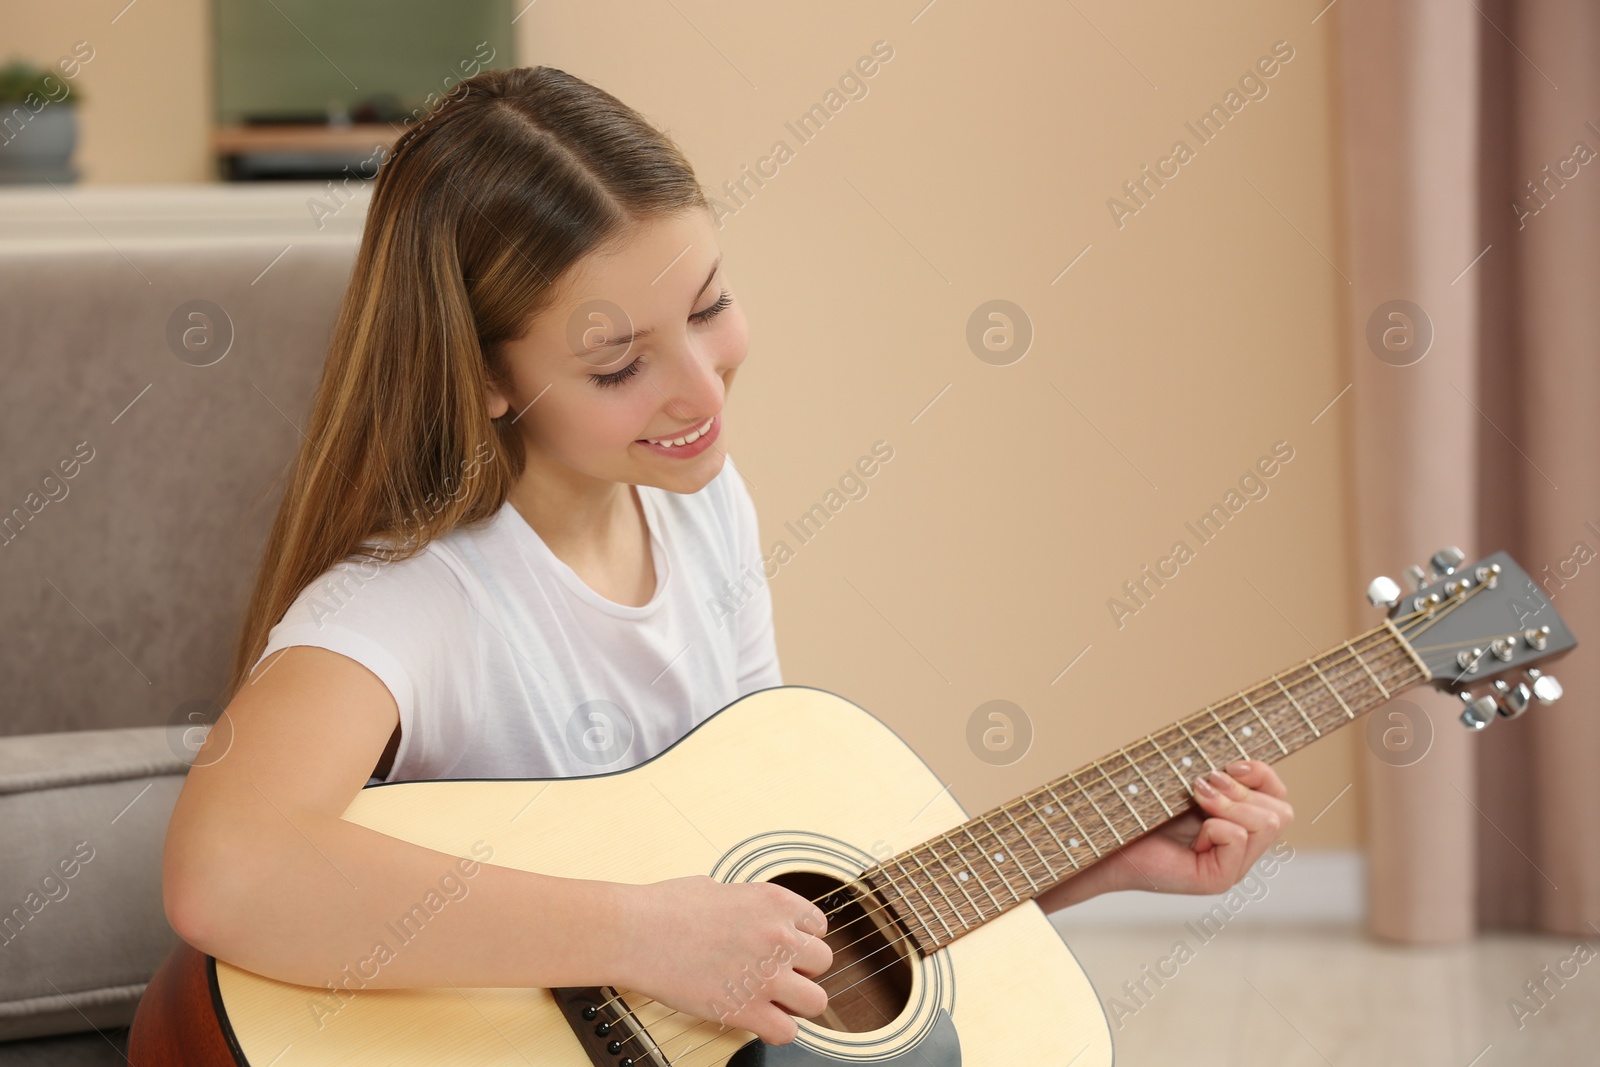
(1187, 762)
(1072, 842)
(999, 857)
(1247, 731)
(1049, 809)
(961, 875)
(1132, 789)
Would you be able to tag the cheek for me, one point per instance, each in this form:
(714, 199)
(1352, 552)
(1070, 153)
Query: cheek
(624, 419)
(605, 420)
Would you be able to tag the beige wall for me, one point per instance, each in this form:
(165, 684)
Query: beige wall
(1204, 330)
(147, 89)
(978, 166)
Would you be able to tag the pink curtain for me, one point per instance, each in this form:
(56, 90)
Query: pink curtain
(1492, 439)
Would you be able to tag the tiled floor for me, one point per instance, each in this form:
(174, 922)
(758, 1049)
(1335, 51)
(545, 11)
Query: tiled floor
(1289, 996)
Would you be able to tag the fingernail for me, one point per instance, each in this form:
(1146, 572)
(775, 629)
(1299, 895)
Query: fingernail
(1221, 780)
(1238, 767)
(1204, 787)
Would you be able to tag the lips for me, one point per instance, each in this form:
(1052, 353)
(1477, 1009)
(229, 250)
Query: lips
(686, 437)
(704, 437)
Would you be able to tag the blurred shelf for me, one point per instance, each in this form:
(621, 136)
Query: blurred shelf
(206, 212)
(295, 137)
(301, 151)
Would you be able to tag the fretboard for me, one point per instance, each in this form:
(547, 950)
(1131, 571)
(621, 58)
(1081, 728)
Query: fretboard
(961, 879)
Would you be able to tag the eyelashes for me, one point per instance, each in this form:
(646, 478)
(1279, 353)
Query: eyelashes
(715, 309)
(618, 377)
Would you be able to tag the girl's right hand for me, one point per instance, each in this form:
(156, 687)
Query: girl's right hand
(741, 954)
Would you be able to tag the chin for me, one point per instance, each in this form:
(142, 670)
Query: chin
(693, 475)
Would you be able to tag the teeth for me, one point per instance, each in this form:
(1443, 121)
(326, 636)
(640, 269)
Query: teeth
(688, 438)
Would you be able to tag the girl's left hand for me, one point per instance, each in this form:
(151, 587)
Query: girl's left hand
(1205, 850)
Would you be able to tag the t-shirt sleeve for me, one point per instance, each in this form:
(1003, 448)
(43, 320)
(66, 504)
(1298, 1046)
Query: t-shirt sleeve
(758, 647)
(409, 623)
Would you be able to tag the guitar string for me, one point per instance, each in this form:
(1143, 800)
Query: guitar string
(1433, 616)
(1439, 613)
(876, 951)
(1231, 712)
(1083, 791)
(1072, 783)
(1381, 661)
(1424, 618)
(1353, 656)
(1048, 872)
(1432, 619)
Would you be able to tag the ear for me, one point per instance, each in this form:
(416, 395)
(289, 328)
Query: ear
(496, 403)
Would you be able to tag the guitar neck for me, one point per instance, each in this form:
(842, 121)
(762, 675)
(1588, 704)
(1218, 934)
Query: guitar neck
(961, 879)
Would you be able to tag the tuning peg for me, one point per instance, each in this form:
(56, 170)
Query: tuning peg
(1546, 688)
(1383, 592)
(1415, 575)
(1479, 713)
(1514, 699)
(1446, 560)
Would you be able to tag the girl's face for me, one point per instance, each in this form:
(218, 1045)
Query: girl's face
(641, 347)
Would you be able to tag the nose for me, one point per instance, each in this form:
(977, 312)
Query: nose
(695, 388)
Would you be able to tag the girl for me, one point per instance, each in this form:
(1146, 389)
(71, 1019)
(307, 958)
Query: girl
(492, 559)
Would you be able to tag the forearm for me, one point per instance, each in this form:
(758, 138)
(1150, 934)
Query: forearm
(324, 900)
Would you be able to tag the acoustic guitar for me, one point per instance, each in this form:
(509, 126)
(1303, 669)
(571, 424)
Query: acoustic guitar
(941, 956)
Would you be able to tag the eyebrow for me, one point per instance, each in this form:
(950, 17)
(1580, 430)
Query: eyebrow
(635, 335)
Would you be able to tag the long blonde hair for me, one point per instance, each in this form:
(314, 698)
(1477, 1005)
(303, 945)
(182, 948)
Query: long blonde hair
(476, 215)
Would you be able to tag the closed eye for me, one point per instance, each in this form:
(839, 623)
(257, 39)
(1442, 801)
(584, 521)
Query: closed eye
(618, 377)
(715, 309)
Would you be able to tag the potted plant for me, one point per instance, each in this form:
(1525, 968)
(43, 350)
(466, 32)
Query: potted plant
(38, 124)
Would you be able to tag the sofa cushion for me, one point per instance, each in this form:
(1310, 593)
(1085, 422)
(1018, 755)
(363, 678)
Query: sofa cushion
(82, 926)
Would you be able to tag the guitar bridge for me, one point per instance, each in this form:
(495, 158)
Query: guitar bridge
(608, 1030)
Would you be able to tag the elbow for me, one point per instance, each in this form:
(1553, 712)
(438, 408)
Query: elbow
(219, 895)
(187, 900)
(196, 878)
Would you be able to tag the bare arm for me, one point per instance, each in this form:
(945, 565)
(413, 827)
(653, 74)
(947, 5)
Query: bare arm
(259, 869)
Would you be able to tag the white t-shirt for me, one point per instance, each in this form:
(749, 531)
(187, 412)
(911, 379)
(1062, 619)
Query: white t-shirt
(505, 664)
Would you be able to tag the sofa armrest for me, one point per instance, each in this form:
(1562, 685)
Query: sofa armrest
(83, 817)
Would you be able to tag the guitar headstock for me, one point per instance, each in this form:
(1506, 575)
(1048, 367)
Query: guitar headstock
(1477, 628)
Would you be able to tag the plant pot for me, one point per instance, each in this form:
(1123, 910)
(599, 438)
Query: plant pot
(37, 146)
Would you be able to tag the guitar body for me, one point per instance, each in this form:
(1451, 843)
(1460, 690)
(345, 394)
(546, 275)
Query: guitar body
(787, 783)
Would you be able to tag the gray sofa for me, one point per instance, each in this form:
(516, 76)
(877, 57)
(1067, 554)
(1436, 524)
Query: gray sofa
(138, 480)
(84, 814)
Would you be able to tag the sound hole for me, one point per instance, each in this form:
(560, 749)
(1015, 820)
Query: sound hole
(869, 982)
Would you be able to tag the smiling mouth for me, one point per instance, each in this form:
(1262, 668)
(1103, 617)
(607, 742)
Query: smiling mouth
(687, 439)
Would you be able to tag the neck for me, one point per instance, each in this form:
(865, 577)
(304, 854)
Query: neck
(961, 879)
(574, 514)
